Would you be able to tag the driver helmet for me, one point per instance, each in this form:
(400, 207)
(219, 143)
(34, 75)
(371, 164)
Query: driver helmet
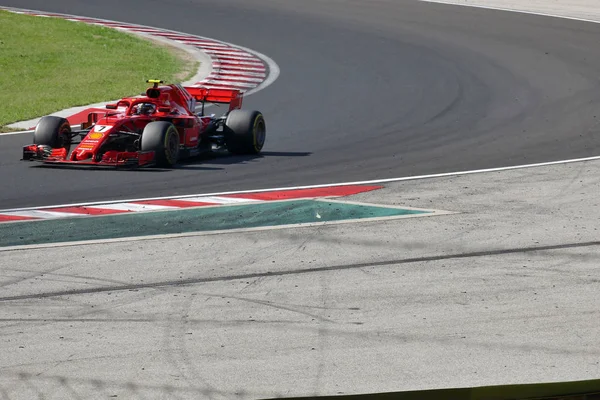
(145, 109)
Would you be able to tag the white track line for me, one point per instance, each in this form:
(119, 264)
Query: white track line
(250, 64)
(133, 207)
(199, 197)
(237, 69)
(217, 47)
(222, 72)
(15, 133)
(233, 78)
(219, 200)
(241, 56)
(39, 214)
(453, 3)
(226, 82)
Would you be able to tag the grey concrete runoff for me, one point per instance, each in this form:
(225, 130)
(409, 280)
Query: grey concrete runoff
(505, 291)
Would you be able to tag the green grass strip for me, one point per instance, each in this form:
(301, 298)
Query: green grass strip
(49, 64)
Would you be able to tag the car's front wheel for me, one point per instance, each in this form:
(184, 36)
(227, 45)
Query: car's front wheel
(162, 138)
(54, 132)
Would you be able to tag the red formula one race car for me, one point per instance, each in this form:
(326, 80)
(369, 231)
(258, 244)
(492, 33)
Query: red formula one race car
(158, 128)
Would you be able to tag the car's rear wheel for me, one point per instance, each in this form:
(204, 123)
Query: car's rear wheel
(245, 132)
(54, 132)
(162, 138)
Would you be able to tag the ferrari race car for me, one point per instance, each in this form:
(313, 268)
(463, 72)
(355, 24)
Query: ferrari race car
(157, 128)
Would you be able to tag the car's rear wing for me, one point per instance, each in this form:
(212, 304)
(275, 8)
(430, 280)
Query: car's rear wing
(233, 97)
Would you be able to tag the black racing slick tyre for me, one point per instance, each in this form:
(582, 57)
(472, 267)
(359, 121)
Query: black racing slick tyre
(245, 132)
(54, 132)
(162, 138)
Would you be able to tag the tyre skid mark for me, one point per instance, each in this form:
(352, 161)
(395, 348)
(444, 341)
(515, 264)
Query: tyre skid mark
(332, 268)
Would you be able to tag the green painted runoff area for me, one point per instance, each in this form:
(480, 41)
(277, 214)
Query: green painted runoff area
(202, 219)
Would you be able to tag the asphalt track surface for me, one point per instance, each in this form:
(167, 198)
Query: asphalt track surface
(368, 89)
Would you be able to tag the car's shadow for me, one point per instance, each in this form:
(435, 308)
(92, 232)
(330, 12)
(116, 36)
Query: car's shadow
(121, 168)
(205, 162)
(225, 158)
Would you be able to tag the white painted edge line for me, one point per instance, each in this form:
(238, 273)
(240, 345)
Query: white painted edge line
(356, 183)
(219, 232)
(220, 200)
(132, 207)
(44, 215)
(16, 133)
(225, 73)
(497, 8)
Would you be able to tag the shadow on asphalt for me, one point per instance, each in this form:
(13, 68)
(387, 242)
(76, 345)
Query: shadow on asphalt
(228, 159)
(198, 163)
